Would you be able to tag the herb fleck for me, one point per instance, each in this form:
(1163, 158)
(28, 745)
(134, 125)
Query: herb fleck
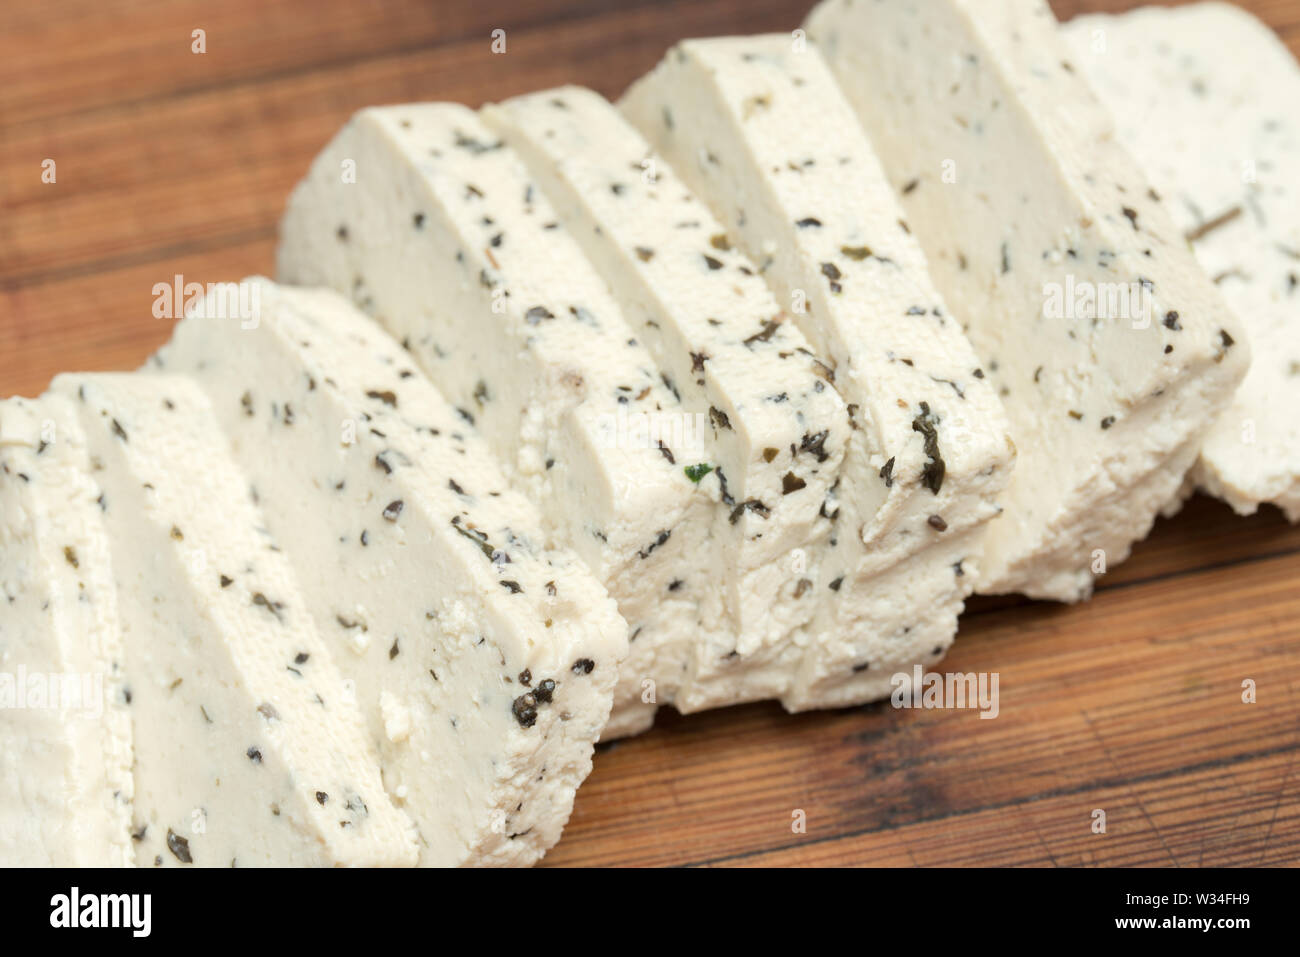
(274, 607)
(697, 472)
(933, 472)
(815, 444)
(887, 472)
(525, 709)
(179, 847)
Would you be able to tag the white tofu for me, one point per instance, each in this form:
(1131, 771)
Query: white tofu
(484, 663)
(930, 452)
(443, 237)
(719, 335)
(1205, 97)
(65, 733)
(249, 749)
(447, 240)
(1111, 349)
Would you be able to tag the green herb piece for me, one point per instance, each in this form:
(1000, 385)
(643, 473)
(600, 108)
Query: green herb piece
(697, 472)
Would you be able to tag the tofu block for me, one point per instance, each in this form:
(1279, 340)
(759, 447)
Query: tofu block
(1205, 98)
(249, 750)
(929, 453)
(445, 237)
(719, 336)
(483, 662)
(65, 733)
(1110, 348)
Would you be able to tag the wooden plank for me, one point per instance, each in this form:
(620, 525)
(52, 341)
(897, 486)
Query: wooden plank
(215, 166)
(1150, 823)
(1137, 687)
(80, 55)
(105, 321)
(218, 164)
(83, 58)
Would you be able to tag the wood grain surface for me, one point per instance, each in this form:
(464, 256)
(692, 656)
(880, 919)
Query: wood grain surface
(171, 162)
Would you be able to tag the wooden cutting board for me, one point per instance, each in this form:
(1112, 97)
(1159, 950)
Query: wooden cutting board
(170, 162)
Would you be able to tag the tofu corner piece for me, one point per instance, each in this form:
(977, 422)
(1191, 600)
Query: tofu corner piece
(762, 134)
(484, 662)
(248, 751)
(65, 733)
(1205, 97)
(1111, 349)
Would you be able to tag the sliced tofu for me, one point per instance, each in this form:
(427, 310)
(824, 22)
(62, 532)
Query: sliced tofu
(483, 662)
(65, 764)
(930, 452)
(1110, 348)
(249, 749)
(445, 237)
(720, 337)
(434, 227)
(1205, 97)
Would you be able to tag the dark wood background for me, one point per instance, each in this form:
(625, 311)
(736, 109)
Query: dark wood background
(170, 162)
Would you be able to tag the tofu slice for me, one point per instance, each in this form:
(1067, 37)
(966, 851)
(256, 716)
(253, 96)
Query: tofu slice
(447, 239)
(432, 226)
(1110, 348)
(248, 747)
(1205, 98)
(65, 763)
(483, 662)
(930, 452)
(720, 337)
